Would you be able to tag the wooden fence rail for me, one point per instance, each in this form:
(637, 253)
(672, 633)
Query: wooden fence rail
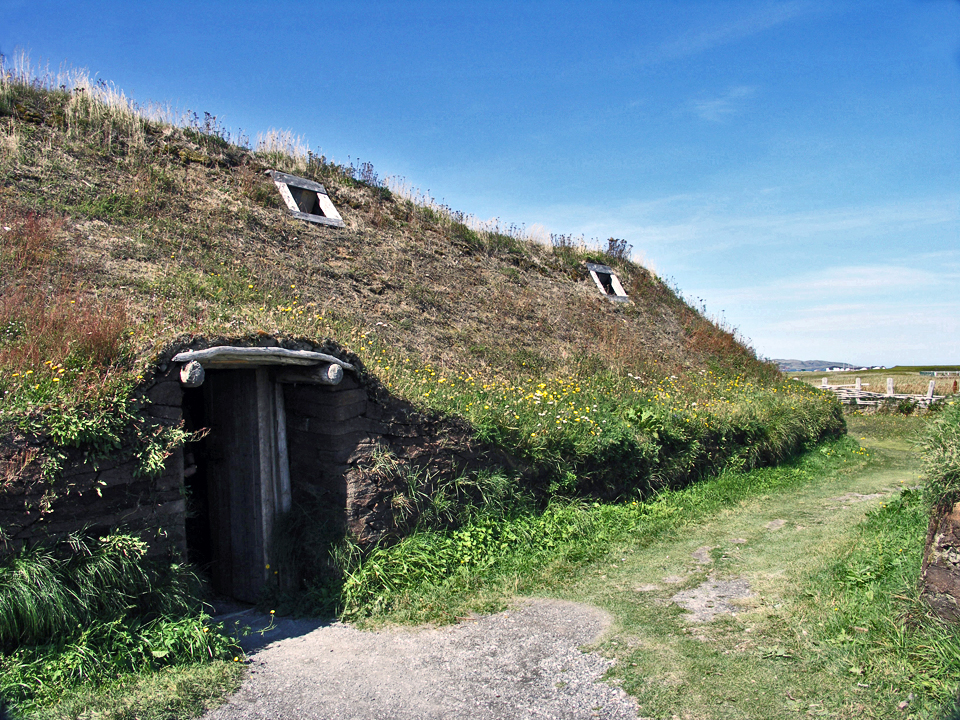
(854, 394)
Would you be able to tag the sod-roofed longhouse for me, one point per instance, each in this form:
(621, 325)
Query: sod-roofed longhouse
(271, 425)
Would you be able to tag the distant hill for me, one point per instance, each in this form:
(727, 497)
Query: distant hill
(811, 365)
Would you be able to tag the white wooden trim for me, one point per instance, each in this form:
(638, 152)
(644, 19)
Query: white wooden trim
(327, 206)
(617, 287)
(287, 196)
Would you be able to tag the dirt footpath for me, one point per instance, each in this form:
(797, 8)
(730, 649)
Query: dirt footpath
(522, 663)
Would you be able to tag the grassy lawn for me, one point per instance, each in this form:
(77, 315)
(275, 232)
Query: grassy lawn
(177, 692)
(822, 556)
(785, 652)
(831, 626)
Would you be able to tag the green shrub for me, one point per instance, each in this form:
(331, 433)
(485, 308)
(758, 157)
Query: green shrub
(941, 455)
(425, 576)
(89, 609)
(607, 435)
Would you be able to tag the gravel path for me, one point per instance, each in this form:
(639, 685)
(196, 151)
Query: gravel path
(522, 663)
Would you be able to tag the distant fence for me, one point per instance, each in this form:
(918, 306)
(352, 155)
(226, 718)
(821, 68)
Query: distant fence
(940, 373)
(854, 394)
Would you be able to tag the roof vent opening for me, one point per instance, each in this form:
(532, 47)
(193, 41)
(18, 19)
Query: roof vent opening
(607, 282)
(306, 199)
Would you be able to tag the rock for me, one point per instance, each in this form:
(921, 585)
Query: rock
(702, 555)
(940, 571)
(192, 374)
(712, 597)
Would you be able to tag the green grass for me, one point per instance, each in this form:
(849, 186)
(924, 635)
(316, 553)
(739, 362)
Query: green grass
(941, 456)
(610, 442)
(170, 694)
(834, 626)
(613, 435)
(83, 613)
(438, 575)
(869, 617)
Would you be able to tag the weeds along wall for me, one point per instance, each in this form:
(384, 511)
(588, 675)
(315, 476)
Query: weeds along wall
(90, 491)
(365, 462)
(355, 452)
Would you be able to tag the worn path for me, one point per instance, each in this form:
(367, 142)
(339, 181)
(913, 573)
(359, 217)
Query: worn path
(711, 623)
(522, 663)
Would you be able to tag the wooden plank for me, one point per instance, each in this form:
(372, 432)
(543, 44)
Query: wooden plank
(287, 196)
(314, 399)
(281, 177)
(617, 287)
(319, 219)
(267, 441)
(327, 207)
(283, 457)
(596, 279)
(221, 355)
(597, 267)
(330, 374)
(236, 530)
(330, 428)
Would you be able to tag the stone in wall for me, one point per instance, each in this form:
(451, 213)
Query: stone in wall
(941, 563)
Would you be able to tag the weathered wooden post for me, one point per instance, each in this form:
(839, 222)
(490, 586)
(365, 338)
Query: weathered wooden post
(823, 383)
(930, 391)
(889, 386)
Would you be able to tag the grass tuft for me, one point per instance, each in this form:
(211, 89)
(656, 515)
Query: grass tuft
(89, 609)
(941, 455)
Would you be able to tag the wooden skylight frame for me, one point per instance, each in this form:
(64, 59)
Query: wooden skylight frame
(306, 199)
(607, 282)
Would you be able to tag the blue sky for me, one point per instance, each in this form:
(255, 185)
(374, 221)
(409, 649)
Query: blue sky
(792, 164)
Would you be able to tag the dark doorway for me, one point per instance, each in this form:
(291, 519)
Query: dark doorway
(225, 519)
(233, 486)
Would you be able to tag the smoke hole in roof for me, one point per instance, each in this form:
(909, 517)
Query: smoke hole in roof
(607, 282)
(306, 199)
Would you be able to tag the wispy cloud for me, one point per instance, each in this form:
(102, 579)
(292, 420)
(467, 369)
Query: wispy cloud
(763, 18)
(926, 318)
(704, 35)
(857, 282)
(719, 108)
(707, 222)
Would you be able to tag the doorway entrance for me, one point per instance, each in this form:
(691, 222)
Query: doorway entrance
(237, 476)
